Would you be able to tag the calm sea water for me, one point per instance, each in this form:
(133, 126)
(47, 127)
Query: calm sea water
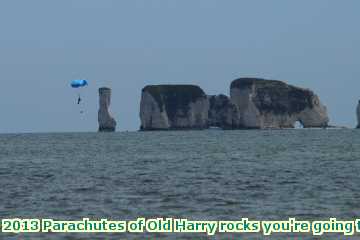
(199, 175)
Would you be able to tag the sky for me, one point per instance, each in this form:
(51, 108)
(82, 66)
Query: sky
(127, 44)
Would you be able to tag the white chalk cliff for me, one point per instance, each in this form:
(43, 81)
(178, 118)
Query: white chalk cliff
(253, 103)
(106, 122)
(275, 104)
(166, 107)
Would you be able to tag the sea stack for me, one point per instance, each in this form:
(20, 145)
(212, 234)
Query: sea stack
(223, 113)
(358, 115)
(172, 107)
(106, 122)
(266, 104)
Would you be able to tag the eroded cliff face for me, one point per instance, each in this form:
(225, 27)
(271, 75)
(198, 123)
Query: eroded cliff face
(166, 107)
(223, 113)
(275, 104)
(358, 115)
(106, 122)
(253, 103)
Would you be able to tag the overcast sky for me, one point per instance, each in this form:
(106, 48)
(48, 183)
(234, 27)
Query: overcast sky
(127, 44)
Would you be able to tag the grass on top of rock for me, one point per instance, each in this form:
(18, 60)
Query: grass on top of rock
(247, 82)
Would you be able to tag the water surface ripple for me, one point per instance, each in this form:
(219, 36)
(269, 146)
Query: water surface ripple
(199, 175)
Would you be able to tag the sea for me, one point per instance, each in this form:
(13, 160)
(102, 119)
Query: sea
(211, 175)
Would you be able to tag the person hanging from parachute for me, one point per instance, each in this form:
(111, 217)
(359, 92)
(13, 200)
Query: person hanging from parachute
(79, 83)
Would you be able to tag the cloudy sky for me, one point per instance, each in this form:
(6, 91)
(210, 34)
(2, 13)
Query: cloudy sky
(127, 44)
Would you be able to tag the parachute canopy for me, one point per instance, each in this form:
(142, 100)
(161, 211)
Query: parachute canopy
(78, 83)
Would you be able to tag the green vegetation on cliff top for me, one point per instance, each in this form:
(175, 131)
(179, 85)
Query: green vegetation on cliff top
(246, 82)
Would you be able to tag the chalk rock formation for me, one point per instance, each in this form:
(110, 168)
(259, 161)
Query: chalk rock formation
(275, 104)
(223, 113)
(165, 107)
(358, 115)
(106, 122)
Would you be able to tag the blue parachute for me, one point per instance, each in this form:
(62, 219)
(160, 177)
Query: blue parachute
(78, 83)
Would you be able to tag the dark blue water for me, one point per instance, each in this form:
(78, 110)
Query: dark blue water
(199, 175)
